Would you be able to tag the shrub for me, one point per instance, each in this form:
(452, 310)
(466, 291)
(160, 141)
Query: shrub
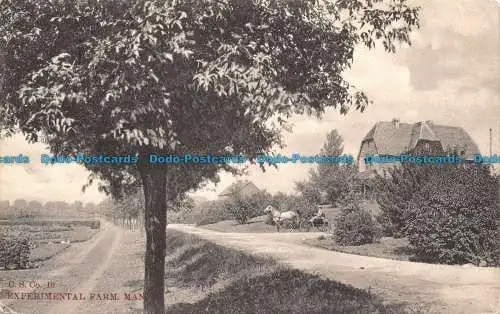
(240, 209)
(310, 191)
(454, 217)
(212, 212)
(15, 252)
(258, 202)
(355, 226)
(303, 207)
(394, 192)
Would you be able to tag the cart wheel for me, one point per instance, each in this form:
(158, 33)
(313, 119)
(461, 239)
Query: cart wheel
(305, 226)
(324, 227)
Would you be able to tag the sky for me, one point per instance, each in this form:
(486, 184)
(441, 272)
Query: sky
(450, 75)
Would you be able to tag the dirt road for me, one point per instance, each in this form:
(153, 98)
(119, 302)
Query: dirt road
(92, 270)
(112, 261)
(443, 288)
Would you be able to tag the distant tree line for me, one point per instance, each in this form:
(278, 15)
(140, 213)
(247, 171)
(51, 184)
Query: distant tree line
(22, 208)
(128, 210)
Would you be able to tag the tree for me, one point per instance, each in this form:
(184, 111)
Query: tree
(20, 204)
(239, 208)
(129, 207)
(35, 207)
(90, 207)
(61, 206)
(20, 207)
(174, 77)
(243, 207)
(5, 209)
(77, 206)
(395, 191)
(335, 180)
(309, 191)
(106, 209)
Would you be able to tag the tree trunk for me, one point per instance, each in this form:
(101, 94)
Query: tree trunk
(155, 221)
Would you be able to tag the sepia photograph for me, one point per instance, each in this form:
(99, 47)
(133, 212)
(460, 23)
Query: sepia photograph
(250, 156)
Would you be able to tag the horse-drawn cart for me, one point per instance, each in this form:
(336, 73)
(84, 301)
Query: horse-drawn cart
(315, 223)
(291, 221)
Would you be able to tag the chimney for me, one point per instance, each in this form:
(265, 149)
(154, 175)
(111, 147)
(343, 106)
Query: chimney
(395, 121)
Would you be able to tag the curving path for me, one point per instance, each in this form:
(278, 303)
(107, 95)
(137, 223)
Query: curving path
(441, 288)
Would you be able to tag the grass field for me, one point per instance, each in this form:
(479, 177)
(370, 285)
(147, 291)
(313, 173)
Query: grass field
(202, 277)
(47, 237)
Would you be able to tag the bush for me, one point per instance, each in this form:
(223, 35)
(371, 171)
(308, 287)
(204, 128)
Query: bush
(355, 226)
(394, 193)
(15, 252)
(454, 217)
(243, 208)
(213, 211)
(240, 209)
(303, 207)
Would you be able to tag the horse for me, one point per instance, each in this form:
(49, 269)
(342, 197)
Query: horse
(279, 217)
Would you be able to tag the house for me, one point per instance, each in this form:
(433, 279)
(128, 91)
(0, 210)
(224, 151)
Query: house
(422, 138)
(245, 188)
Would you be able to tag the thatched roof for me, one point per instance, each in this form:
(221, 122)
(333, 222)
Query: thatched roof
(244, 187)
(394, 138)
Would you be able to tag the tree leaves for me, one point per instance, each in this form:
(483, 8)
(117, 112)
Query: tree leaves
(182, 76)
(168, 56)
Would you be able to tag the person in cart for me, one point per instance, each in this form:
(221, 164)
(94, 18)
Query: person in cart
(319, 219)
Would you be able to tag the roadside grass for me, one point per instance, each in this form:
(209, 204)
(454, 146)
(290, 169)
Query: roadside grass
(386, 247)
(201, 264)
(215, 279)
(287, 291)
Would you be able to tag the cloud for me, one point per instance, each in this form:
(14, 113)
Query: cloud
(458, 40)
